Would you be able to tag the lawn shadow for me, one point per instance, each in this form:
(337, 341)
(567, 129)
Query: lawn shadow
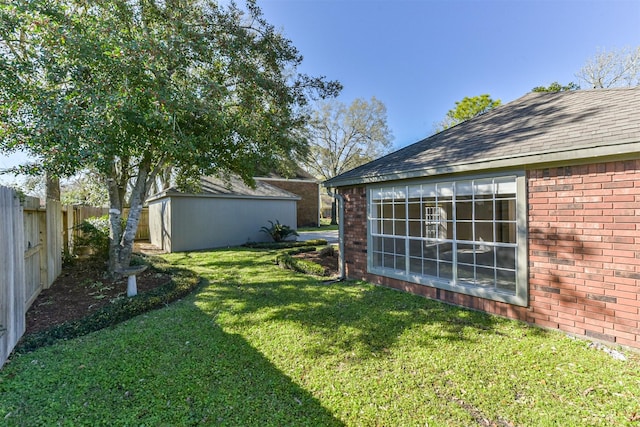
(187, 372)
(346, 317)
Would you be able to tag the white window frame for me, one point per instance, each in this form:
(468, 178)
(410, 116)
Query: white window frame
(393, 194)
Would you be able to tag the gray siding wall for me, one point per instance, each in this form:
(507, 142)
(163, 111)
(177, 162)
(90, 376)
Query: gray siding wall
(160, 223)
(192, 223)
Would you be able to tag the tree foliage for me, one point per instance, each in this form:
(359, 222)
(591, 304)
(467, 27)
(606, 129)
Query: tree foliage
(127, 88)
(342, 138)
(615, 68)
(468, 108)
(556, 87)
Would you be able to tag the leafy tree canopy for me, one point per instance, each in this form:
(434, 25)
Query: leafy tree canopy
(126, 88)
(556, 87)
(468, 108)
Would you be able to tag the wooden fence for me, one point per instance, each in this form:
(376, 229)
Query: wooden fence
(32, 241)
(31, 257)
(12, 306)
(73, 215)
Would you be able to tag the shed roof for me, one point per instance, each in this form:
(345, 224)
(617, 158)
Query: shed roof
(231, 187)
(536, 128)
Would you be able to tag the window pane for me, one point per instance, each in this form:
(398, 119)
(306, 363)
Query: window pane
(387, 226)
(400, 228)
(466, 273)
(399, 193)
(430, 267)
(415, 265)
(377, 259)
(483, 187)
(414, 211)
(464, 230)
(483, 208)
(506, 232)
(445, 251)
(389, 261)
(506, 258)
(506, 281)
(505, 185)
(445, 270)
(505, 210)
(485, 255)
(376, 244)
(431, 250)
(400, 246)
(464, 188)
(484, 232)
(464, 210)
(485, 276)
(415, 228)
(415, 248)
(388, 245)
(399, 211)
(415, 191)
(465, 254)
(376, 194)
(386, 211)
(445, 190)
(429, 190)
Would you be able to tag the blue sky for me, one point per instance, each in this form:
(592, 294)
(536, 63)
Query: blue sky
(421, 56)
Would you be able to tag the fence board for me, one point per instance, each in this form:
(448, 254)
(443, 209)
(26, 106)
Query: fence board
(35, 263)
(12, 308)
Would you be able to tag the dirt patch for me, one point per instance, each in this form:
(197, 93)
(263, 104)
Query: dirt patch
(327, 259)
(80, 290)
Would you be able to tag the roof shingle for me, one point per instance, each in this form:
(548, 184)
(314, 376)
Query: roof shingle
(536, 128)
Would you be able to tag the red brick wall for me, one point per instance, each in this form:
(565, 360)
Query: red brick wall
(309, 204)
(584, 252)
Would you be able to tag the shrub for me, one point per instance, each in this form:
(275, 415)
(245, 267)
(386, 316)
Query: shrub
(278, 232)
(94, 234)
(285, 260)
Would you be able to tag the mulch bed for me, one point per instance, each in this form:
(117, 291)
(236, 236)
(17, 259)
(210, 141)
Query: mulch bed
(80, 290)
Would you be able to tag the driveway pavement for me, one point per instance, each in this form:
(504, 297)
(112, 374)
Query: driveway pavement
(330, 236)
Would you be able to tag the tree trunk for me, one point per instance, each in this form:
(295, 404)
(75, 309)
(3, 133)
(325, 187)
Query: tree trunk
(115, 227)
(53, 187)
(138, 196)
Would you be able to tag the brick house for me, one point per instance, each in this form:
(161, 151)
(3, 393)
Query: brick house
(530, 211)
(306, 187)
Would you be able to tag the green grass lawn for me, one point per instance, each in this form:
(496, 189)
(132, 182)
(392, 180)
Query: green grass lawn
(258, 345)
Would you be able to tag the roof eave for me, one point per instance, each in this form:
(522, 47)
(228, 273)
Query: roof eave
(525, 160)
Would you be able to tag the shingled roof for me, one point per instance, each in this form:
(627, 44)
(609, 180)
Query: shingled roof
(231, 187)
(534, 129)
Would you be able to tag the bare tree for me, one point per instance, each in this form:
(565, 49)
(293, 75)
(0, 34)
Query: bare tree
(616, 68)
(342, 138)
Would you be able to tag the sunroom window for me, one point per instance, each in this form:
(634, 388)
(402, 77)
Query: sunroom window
(467, 235)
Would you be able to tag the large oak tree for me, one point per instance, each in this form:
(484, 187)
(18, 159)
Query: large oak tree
(127, 88)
